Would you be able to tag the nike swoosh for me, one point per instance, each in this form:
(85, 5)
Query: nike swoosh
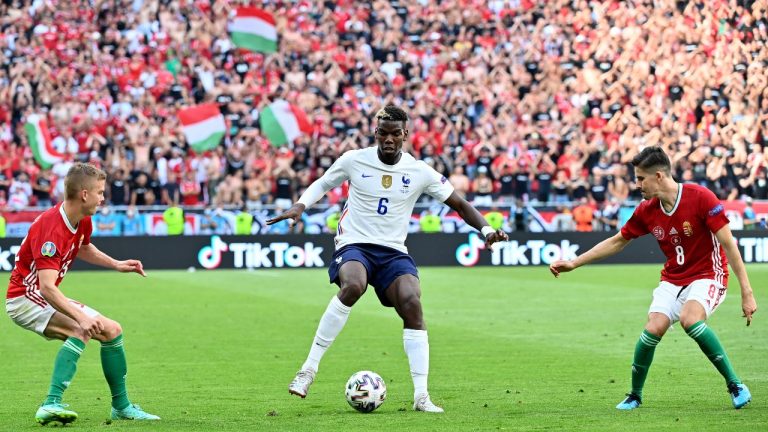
(366, 176)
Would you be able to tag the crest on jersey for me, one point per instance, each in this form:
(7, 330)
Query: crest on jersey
(48, 249)
(658, 232)
(386, 181)
(676, 240)
(406, 179)
(687, 228)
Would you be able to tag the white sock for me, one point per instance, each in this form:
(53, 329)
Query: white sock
(417, 349)
(330, 326)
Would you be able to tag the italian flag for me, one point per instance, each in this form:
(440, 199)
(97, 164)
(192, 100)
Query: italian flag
(40, 141)
(282, 122)
(203, 125)
(254, 29)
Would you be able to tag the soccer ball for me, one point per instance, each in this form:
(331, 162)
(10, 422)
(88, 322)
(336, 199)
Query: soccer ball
(365, 391)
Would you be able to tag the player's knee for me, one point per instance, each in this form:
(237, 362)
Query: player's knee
(411, 303)
(112, 329)
(81, 334)
(688, 320)
(353, 290)
(656, 329)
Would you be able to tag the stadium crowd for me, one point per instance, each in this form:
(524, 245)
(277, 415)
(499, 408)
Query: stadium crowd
(514, 100)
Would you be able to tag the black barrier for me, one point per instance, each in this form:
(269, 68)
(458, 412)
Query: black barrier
(313, 251)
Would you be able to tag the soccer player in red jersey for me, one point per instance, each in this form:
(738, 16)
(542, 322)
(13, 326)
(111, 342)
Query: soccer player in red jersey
(34, 301)
(690, 225)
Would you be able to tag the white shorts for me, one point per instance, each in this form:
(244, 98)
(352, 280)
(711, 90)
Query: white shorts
(669, 299)
(35, 315)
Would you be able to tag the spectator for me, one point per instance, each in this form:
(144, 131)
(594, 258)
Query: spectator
(430, 223)
(106, 223)
(132, 223)
(495, 219)
(41, 189)
(171, 191)
(460, 181)
(583, 215)
(141, 195)
(190, 190)
(119, 191)
(750, 219)
(243, 222)
(587, 84)
(19, 192)
(482, 186)
(215, 221)
(173, 217)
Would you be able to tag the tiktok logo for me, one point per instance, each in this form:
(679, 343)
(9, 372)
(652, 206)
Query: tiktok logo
(210, 256)
(469, 253)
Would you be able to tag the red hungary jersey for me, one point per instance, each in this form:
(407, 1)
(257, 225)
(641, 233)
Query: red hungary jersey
(52, 243)
(685, 235)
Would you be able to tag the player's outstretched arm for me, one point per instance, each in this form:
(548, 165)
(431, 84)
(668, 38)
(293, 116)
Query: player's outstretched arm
(294, 214)
(605, 248)
(748, 303)
(92, 255)
(314, 192)
(475, 219)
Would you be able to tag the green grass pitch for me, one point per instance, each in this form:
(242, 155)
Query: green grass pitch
(511, 349)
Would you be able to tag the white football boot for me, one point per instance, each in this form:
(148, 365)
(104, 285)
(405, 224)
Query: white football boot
(423, 403)
(300, 384)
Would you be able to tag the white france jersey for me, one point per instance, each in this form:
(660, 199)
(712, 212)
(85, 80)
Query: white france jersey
(381, 196)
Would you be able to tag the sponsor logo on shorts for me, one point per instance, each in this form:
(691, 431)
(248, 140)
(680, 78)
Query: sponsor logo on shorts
(48, 249)
(338, 260)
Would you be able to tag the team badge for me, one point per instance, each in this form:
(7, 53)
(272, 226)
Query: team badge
(386, 181)
(48, 249)
(406, 183)
(687, 228)
(658, 232)
(676, 240)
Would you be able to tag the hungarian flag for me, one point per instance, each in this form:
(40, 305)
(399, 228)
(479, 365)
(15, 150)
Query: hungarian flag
(282, 122)
(203, 125)
(254, 29)
(40, 141)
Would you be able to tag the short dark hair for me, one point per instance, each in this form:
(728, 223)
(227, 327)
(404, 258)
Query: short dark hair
(652, 157)
(392, 113)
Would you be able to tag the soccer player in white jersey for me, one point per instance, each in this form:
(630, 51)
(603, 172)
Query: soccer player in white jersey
(384, 184)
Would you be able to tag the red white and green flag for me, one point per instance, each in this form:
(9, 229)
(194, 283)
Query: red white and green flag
(203, 126)
(40, 141)
(253, 29)
(282, 122)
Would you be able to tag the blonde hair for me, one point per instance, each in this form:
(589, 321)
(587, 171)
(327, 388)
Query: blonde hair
(80, 177)
(391, 113)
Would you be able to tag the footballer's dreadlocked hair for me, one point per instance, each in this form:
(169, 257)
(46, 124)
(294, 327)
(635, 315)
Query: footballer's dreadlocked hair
(391, 113)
